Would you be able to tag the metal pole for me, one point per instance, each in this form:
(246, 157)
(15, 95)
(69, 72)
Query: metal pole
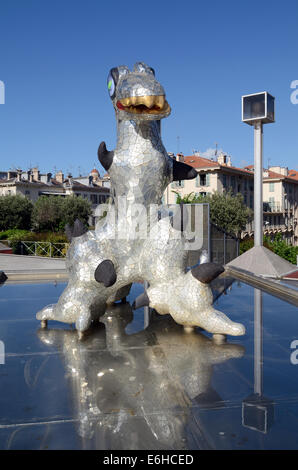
(258, 184)
(258, 343)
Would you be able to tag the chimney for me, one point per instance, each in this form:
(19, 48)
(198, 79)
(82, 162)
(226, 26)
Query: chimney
(222, 159)
(59, 177)
(30, 173)
(49, 175)
(35, 172)
(229, 163)
(19, 175)
(180, 157)
(279, 169)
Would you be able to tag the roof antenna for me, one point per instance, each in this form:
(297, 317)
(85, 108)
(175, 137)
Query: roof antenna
(178, 144)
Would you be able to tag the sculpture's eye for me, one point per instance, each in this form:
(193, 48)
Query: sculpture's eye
(111, 85)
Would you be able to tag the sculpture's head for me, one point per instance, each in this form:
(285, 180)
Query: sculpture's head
(137, 95)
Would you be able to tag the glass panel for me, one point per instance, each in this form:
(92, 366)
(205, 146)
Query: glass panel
(254, 106)
(270, 107)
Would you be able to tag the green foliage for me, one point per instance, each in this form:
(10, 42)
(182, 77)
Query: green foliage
(16, 236)
(248, 243)
(76, 208)
(47, 213)
(227, 211)
(53, 213)
(15, 212)
(12, 233)
(277, 245)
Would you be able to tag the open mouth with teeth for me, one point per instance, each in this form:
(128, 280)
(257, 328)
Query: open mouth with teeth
(144, 104)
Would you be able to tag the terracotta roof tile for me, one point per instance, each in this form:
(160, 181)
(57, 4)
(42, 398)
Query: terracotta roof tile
(199, 162)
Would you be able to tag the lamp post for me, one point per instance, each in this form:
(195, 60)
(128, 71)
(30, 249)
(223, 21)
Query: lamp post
(258, 410)
(258, 109)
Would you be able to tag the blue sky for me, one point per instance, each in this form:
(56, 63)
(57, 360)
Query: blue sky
(55, 57)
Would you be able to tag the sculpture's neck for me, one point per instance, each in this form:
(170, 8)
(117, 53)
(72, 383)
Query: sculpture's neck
(131, 133)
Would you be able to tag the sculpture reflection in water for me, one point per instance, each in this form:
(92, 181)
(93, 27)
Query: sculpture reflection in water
(102, 264)
(136, 391)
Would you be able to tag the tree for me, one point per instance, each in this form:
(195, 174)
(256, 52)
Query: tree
(76, 207)
(48, 213)
(227, 211)
(15, 212)
(54, 212)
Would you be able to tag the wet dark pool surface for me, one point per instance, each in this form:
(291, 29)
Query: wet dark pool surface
(138, 381)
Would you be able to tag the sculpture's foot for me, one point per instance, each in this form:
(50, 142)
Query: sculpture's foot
(80, 335)
(218, 323)
(83, 323)
(218, 338)
(47, 313)
(189, 329)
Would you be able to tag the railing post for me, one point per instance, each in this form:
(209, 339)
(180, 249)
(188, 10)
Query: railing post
(50, 250)
(34, 248)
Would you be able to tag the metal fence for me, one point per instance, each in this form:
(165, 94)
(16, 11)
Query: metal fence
(37, 248)
(224, 247)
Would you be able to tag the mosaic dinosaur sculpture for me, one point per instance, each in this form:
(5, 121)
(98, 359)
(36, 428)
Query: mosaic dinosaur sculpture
(103, 264)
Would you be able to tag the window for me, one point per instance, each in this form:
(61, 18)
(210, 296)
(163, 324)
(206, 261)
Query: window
(224, 181)
(208, 179)
(271, 202)
(271, 187)
(245, 185)
(203, 193)
(93, 198)
(203, 180)
(27, 192)
(251, 201)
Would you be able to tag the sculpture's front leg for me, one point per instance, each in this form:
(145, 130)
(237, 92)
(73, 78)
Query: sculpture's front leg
(80, 303)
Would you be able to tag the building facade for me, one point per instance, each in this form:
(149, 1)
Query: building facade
(32, 184)
(213, 175)
(280, 191)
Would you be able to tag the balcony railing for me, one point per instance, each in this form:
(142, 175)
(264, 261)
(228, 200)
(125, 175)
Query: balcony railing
(272, 207)
(267, 228)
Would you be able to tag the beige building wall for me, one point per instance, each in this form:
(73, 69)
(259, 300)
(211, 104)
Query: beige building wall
(273, 193)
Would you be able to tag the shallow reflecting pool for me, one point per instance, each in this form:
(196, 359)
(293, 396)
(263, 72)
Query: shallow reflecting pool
(138, 381)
